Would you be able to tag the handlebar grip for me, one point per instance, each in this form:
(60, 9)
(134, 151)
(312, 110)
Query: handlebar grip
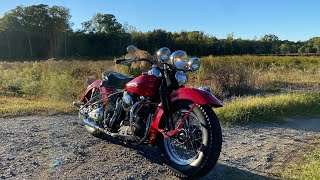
(119, 61)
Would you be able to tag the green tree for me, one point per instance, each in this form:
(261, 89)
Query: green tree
(302, 50)
(195, 38)
(103, 23)
(269, 38)
(316, 43)
(34, 22)
(271, 44)
(285, 48)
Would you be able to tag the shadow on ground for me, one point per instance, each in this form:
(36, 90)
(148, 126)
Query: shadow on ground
(148, 151)
(222, 171)
(311, 124)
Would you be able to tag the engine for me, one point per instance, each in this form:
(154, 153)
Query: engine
(95, 111)
(96, 114)
(138, 116)
(126, 115)
(127, 101)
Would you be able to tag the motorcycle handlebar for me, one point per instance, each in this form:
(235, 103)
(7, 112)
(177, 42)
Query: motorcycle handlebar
(121, 61)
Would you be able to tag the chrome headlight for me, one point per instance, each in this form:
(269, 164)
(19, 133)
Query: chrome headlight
(163, 54)
(179, 59)
(194, 64)
(181, 77)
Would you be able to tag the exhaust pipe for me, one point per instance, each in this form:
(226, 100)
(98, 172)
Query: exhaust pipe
(78, 104)
(91, 124)
(117, 135)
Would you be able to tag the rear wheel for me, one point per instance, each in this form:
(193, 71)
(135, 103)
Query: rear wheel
(91, 130)
(194, 150)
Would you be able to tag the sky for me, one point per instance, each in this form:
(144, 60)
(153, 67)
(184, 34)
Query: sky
(292, 20)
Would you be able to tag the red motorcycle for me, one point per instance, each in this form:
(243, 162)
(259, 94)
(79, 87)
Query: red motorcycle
(155, 108)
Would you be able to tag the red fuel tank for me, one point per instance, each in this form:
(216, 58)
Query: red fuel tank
(144, 85)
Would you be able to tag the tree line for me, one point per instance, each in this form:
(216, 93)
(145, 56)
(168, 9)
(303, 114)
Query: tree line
(41, 31)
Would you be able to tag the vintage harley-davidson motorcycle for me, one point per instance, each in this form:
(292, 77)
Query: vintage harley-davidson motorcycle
(155, 108)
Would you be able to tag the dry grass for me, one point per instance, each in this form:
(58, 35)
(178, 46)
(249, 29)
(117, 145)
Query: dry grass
(239, 75)
(15, 106)
(65, 81)
(228, 75)
(270, 108)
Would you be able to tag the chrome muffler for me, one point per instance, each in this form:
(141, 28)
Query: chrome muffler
(124, 137)
(91, 124)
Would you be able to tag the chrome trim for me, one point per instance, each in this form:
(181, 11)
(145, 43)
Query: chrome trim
(131, 119)
(181, 77)
(154, 71)
(116, 135)
(148, 123)
(127, 101)
(91, 124)
(194, 64)
(206, 89)
(116, 112)
(147, 131)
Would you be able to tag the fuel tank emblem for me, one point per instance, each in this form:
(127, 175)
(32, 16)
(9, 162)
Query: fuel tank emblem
(132, 84)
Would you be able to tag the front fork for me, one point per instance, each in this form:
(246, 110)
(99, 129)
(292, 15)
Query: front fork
(176, 129)
(165, 90)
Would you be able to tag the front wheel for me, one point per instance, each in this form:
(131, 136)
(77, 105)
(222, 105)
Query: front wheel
(194, 150)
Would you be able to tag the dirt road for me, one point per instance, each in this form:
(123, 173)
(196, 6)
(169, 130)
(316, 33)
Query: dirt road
(36, 147)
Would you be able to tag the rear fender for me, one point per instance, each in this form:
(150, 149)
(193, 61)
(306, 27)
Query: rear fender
(87, 94)
(103, 90)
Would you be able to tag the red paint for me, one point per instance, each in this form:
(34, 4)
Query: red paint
(195, 95)
(95, 84)
(144, 85)
(155, 123)
(103, 90)
(173, 132)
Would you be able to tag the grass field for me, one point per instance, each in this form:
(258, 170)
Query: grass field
(33, 83)
(227, 75)
(17, 106)
(243, 75)
(270, 108)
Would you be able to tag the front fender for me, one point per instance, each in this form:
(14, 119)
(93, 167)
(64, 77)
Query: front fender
(195, 95)
(191, 94)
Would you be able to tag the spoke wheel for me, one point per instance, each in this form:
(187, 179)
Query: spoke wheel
(185, 146)
(194, 150)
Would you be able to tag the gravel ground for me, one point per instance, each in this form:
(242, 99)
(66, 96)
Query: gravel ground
(35, 147)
